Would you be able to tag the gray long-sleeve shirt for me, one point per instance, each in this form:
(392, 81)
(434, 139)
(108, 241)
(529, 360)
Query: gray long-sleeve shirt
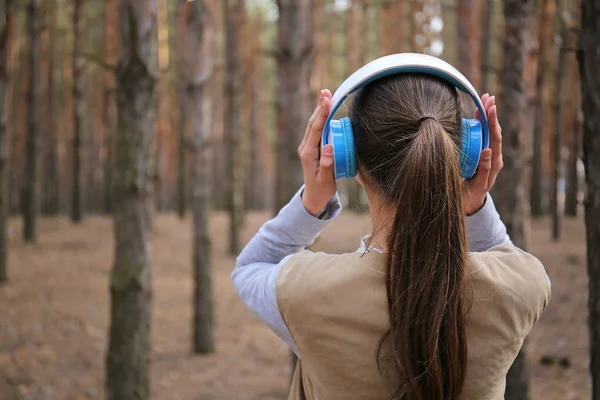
(293, 229)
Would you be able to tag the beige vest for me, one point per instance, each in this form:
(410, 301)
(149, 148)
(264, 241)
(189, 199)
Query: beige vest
(335, 307)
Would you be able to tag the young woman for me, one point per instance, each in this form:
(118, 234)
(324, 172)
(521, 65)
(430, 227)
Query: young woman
(436, 302)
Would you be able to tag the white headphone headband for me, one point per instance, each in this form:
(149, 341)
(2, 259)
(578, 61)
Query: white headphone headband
(405, 63)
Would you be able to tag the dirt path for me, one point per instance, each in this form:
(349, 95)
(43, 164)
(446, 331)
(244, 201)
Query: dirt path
(54, 313)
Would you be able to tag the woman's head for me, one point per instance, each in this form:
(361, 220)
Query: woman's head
(388, 117)
(407, 136)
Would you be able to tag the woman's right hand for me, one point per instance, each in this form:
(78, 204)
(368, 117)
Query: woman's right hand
(490, 161)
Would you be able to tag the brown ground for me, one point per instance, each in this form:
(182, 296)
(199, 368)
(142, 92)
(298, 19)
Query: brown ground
(54, 313)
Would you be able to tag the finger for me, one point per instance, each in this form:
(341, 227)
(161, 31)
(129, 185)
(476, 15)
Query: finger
(326, 164)
(314, 136)
(483, 100)
(489, 103)
(311, 121)
(327, 93)
(479, 182)
(495, 141)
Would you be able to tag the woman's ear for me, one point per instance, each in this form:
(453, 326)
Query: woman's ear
(359, 179)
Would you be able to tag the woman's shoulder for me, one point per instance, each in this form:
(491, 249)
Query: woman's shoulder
(511, 279)
(319, 265)
(509, 264)
(315, 274)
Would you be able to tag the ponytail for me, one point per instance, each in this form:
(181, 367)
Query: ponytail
(425, 265)
(407, 137)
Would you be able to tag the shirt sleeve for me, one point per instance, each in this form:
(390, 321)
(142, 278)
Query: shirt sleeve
(485, 229)
(255, 274)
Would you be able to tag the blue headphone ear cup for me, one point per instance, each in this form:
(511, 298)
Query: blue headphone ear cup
(350, 148)
(471, 144)
(344, 156)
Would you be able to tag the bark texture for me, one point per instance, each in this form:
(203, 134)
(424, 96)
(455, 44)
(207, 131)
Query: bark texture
(127, 362)
(5, 38)
(109, 109)
(30, 193)
(556, 134)
(589, 59)
(255, 180)
(392, 20)
(544, 40)
(233, 11)
(199, 34)
(293, 108)
(356, 50)
(182, 123)
(50, 170)
(511, 185)
(486, 46)
(469, 40)
(78, 127)
(573, 127)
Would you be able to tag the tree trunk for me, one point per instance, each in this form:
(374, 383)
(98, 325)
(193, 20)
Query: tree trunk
(295, 42)
(574, 130)
(127, 360)
(67, 119)
(199, 35)
(15, 153)
(356, 47)
(469, 40)
(572, 178)
(511, 187)
(558, 111)
(317, 70)
(109, 109)
(255, 179)
(589, 59)
(573, 105)
(5, 47)
(294, 60)
(233, 11)
(182, 97)
(29, 198)
(486, 46)
(386, 21)
(78, 99)
(392, 24)
(416, 27)
(50, 170)
(544, 39)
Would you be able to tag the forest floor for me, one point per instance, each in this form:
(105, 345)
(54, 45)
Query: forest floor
(54, 314)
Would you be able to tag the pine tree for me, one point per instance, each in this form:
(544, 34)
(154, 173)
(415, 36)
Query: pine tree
(589, 59)
(511, 188)
(234, 11)
(78, 99)
(6, 9)
(198, 68)
(29, 196)
(128, 353)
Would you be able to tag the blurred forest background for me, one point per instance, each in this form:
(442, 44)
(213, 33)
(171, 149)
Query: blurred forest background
(143, 142)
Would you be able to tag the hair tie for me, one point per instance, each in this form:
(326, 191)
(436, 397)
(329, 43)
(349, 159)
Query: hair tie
(423, 118)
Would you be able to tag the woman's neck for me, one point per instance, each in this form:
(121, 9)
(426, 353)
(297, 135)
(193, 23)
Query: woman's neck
(381, 220)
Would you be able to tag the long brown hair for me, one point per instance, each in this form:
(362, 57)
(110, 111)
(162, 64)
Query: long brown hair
(407, 141)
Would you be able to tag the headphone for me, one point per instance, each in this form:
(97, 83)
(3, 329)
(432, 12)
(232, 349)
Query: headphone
(474, 134)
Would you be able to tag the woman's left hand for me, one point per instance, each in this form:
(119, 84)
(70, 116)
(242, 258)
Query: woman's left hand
(490, 161)
(319, 182)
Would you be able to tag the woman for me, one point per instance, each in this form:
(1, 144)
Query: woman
(436, 302)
